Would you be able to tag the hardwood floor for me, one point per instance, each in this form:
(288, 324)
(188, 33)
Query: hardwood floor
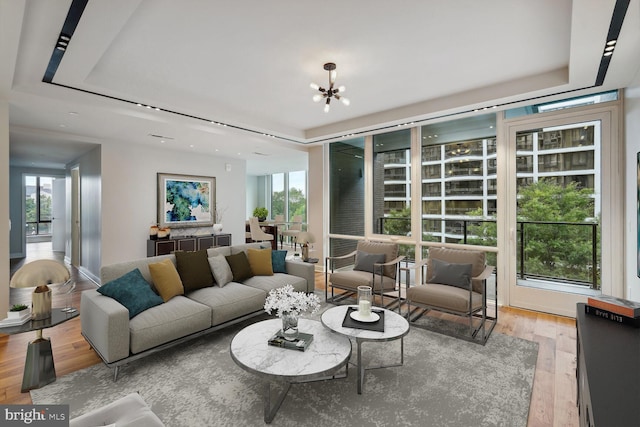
(553, 401)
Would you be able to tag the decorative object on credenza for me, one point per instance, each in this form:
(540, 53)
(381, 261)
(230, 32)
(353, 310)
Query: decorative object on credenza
(288, 304)
(153, 232)
(217, 218)
(164, 233)
(185, 200)
(39, 274)
(261, 213)
(305, 239)
(331, 92)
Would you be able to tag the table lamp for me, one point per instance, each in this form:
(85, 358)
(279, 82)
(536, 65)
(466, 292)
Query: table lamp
(39, 274)
(304, 239)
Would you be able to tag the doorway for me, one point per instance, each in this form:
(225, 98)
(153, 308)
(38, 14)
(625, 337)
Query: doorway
(558, 248)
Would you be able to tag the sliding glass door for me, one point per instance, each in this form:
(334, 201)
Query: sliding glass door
(557, 179)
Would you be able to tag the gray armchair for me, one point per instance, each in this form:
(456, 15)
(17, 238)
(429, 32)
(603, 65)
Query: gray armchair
(456, 283)
(375, 264)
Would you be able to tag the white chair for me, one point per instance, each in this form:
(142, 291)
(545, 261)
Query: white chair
(257, 235)
(292, 232)
(280, 225)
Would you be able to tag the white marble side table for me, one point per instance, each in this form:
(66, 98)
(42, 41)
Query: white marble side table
(325, 356)
(395, 327)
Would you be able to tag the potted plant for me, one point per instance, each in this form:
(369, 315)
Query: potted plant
(261, 213)
(17, 311)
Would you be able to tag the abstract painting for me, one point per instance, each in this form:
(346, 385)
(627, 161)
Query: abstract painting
(185, 200)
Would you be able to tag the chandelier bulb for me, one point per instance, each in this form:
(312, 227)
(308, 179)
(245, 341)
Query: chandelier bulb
(332, 76)
(342, 88)
(326, 108)
(345, 101)
(317, 98)
(314, 86)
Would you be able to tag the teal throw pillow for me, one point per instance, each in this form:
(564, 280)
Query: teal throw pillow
(278, 261)
(445, 273)
(132, 291)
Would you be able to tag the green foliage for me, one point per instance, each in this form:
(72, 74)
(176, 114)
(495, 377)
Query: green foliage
(297, 203)
(260, 212)
(563, 247)
(18, 307)
(398, 223)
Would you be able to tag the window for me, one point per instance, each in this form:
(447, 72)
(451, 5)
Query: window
(458, 176)
(346, 183)
(292, 201)
(38, 196)
(392, 183)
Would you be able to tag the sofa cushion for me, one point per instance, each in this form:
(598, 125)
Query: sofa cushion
(194, 269)
(365, 261)
(278, 280)
(260, 261)
(132, 291)
(278, 261)
(230, 302)
(452, 274)
(174, 319)
(166, 279)
(221, 271)
(240, 266)
(352, 279)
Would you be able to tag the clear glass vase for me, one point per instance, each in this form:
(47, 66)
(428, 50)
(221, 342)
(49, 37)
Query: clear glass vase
(290, 326)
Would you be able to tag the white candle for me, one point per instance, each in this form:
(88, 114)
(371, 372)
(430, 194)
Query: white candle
(364, 307)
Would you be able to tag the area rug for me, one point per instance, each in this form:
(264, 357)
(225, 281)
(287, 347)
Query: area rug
(444, 382)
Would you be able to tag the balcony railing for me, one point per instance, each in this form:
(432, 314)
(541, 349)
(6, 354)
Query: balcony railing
(555, 251)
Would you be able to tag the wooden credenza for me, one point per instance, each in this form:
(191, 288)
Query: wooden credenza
(187, 243)
(608, 372)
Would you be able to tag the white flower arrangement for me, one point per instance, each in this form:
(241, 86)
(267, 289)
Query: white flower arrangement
(286, 301)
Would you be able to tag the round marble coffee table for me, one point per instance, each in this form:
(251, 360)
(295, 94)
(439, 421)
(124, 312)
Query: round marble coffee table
(395, 327)
(325, 356)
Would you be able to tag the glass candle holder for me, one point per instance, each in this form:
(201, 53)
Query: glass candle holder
(365, 299)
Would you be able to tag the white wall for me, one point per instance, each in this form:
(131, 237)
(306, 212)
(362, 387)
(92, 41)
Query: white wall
(129, 192)
(4, 208)
(632, 147)
(251, 195)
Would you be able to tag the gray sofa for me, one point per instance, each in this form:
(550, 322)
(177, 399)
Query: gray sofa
(118, 340)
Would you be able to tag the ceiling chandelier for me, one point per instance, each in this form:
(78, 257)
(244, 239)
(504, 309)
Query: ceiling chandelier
(331, 92)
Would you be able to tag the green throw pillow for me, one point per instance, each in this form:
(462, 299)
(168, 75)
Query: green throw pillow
(132, 291)
(194, 270)
(278, 261)
(240, 267)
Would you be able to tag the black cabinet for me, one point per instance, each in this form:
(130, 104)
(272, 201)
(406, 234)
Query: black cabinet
(608, 371)
(187, 243)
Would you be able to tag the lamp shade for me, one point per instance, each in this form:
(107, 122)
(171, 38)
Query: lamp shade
(38, 273)
(305, 237)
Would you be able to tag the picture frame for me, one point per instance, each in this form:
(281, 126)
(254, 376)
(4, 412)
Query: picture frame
(186, 200)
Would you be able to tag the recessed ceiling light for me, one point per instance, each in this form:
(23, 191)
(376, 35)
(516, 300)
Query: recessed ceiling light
(191, 145)
(62, 126)
(611, 42)
(73, 113)
(608, 54)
